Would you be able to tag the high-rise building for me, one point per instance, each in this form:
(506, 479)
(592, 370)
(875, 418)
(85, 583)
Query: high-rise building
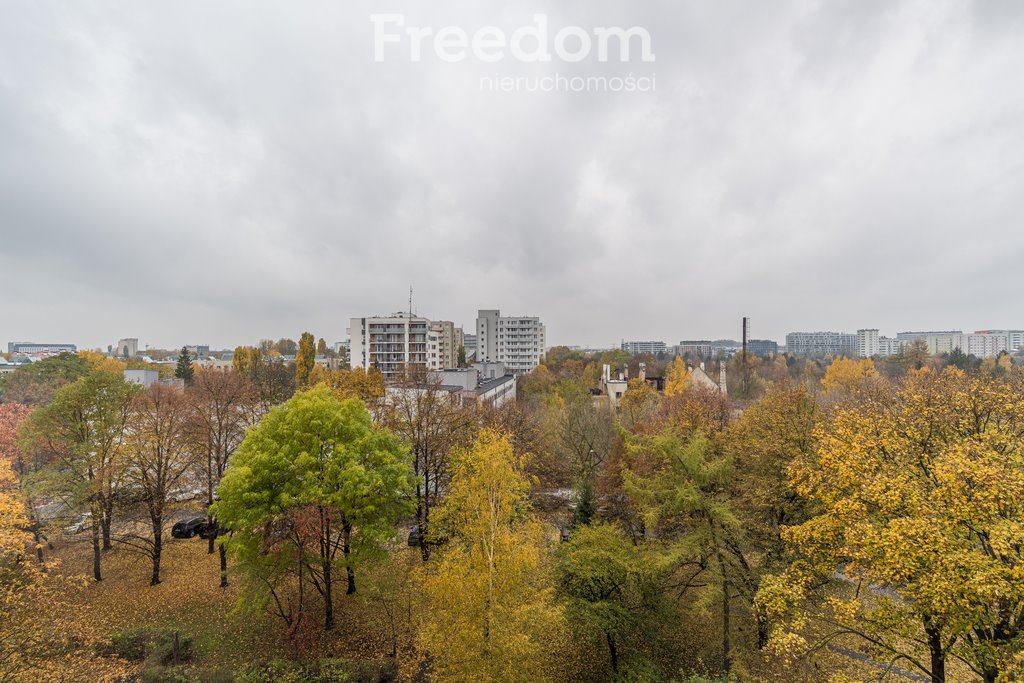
(126, 348)
(517, 341)
(637, 348)
(867, 343)
(393, 344)
(449, 339)
(821, 343)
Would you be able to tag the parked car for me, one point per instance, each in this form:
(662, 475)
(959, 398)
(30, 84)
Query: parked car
(189, 528)
(415, 539)
(209, 531)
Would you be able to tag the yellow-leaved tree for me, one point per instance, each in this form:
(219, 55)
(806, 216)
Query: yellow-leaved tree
(921, 517)
(848, 374)
(490, 613)
(677, 377)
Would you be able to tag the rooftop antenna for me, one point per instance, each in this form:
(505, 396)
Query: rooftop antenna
(410, 301)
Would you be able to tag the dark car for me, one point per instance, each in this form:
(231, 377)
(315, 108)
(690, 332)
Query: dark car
(209, 531)
(189, 528)
(414, 536)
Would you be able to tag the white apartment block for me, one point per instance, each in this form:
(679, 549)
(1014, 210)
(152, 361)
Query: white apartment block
(393, 344)
(516, 341)
(887, 346)
(822, 343)
(867, 343)
(983, 343)
(637, 348)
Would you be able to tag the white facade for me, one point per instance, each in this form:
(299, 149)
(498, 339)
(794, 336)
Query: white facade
(516, 341)
(393, 344)
(126, 348)
(887, 346)
(867, 343)
(637, 348)
(821, 343)
(982, 345)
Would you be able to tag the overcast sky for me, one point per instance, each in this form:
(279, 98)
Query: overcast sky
(219, 172)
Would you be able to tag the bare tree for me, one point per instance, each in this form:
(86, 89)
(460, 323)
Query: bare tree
(159, 457)
(433, 422)
(222, 406)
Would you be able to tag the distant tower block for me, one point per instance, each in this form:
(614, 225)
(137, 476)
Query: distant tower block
(721, 378)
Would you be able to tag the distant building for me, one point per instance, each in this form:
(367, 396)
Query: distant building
(822, 343)
(449, 339)
(696, 349)
(144, 378)
(1014, 338)
(867, 343)
(198, 350)
(887, 346)
(126, 348)
(30, 348)
(762, 347)
(516, 341)
(469, 342)
(393, 344)
(643, 348)
(484, 384)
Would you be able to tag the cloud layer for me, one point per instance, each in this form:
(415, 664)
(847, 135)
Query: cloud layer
(221, 172)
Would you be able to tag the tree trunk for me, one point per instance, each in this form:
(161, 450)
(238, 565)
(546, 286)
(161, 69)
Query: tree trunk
(613, 653)
(726, 659)
(345, 549)
(325, 559)
(105, 520)
(422, 517)
(938, 655)
(223, 566)
(158, 546)
(96, 573)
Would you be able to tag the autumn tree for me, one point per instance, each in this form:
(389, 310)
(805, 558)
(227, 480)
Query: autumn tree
(849, 374)
(184, 370)
(80, 434)
(23, 465)
(677, 377)
(159, 457)
(36, 383)
(920, 509)
(433, 424)
(223, 405)
(305, 360)
(490, 613)
(315, 466)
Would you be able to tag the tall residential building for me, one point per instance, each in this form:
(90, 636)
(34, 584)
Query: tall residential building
(821, 343)
(867, 343)
(697, 349)
(516, 341)
(449, 340)
(393, 344)
(637, 348)
(887, 346)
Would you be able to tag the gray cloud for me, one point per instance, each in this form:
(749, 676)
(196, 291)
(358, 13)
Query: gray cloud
(221, 172)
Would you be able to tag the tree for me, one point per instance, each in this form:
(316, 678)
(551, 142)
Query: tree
(489, 600)
(677, 377)
(682, 490)
(920, 508)
(36, 383)
(434, 425)
(461, 362)
(305, 360)
(285, 347)
(159, 457)
(639, 402)
(848, 374)
(612, 587)
(321, 347)
(223, 405)
(80, 434)
(319, 467)
(12, 415)
(184, 370)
